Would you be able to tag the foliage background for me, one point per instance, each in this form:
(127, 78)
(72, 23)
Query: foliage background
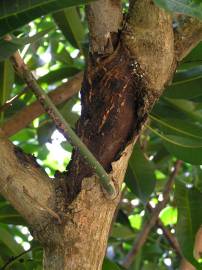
(55, 48)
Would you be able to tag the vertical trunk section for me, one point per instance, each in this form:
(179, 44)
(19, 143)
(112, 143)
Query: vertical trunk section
(80, 244)
(118, 92)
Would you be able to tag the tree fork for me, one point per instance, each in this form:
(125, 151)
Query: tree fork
(120, 89)
(118, 92)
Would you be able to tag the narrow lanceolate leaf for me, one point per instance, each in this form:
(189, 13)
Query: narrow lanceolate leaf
(7, 48)
(6, 82)
(8, 239)
(183, 82)
(193, 59)
(9, 215)
(70, 24)
(15, 13)
(179, 127)
(189, 219)
(108, 264)
(140, 177)
(184, 148)
(188, 7)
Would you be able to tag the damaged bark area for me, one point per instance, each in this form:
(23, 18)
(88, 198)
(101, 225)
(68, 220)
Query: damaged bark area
(120, 89)
(115, 104)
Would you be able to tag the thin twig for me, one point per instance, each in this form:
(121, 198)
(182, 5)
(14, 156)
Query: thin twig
(167, 233)
(61, 94)
(142, 237)
(22, 70)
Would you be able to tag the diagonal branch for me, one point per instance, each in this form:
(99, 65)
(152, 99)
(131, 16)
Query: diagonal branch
(167, 233)
(62, 93)
(24, 184)
(23, 71)
(187, 36)
(142, 237)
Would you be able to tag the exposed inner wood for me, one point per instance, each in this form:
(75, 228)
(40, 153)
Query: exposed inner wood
(113, 109)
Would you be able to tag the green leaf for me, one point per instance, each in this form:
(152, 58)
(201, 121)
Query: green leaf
(136, 221)
(59, 74)
(9, 215)
(45, 131)
(188, 75)
(6, 82)
(177, 109)
(197, 177)
(70, 24)
(109, 265)
(14, 13)
(8, 239)
(188, 7)
(153, 266)
(122, 218)
(168, 215)
(189, 218)
(194, 58)
(186, 84)
(7, 48)
(183, 148)
(179, 127)
(140, 177)
(122, 232)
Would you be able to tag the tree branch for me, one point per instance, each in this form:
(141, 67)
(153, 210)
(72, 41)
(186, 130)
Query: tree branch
(24, 184)
(23, 71)
(104, 19)
(187, 36)
(169, 236)
(142, 237)
(29, 113)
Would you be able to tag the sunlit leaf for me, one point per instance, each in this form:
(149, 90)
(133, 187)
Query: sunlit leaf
(8, 47)
(8, 239)
(70, 24)
(189, 7)
(17, 13)
(189, 218)
(168, 216)
(140, 177)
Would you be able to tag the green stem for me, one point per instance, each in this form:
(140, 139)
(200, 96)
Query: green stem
(61, 123)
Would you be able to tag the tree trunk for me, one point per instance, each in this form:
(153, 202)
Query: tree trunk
(81, 242)
(118, 92)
